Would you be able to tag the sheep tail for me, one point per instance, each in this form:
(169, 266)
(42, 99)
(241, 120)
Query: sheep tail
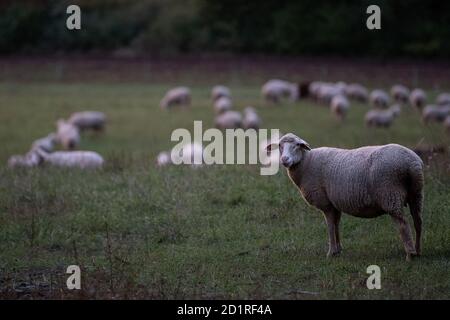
(415, 188)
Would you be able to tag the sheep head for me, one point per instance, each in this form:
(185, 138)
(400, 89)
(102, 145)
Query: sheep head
(292, 149)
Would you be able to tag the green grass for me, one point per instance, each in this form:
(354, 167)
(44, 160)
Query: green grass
(217, 232)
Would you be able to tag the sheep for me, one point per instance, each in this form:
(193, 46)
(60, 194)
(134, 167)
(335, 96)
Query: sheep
(274, 90)
(417, 98)
(86, 120)
(379, 99)
(71, 159)
(366, 182)
(339, 107)
(382, 118)
(222, 104)
(187, 155)
(400, 93)
(443, 99)
(163, 159)
(67, 134)
(179, 96)
(251, 119)
(432, 113)
(31, 159)
(229, 120)
(357, 92)
(46, 143)
(219, 92)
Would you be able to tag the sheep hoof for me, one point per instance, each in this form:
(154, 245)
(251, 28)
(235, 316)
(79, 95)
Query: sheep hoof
(411, 255)
(332, 254)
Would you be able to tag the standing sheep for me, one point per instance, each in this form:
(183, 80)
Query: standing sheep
(443, 99)
(67, 134)
(179, 96)
(418, 98)
(274, 90)
(85, 120)
(46, 143)
(357, 92)
(222, 104)
(251, 119)
(339, 107)
(432, 113)
(229, 120)
(379, 99)
(400, 93)
(219, 91)
(366, 182)
(381, 118)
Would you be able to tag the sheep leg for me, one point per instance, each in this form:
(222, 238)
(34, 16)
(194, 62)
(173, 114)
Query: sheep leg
(405, 234)
(418, 227)
(330, 218)
(336, 230)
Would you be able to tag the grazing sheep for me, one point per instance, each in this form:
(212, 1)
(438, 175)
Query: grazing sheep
(400, 93)
(31, 159)
(274, 90)
(229, 120)
(179, 96)
(86, 120)
(67, 134)
(357, 92)
(432, 113)
(382, 118)
(219, 92)
(72, 159)
(339, 107)
(418, 98)
(379, 99)
(46, 143)
(365, 182)
(251, 119)
(443, 99)
(222, 104)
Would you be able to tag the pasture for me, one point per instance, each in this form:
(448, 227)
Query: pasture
(139, 231)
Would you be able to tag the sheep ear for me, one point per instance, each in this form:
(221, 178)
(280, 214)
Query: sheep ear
(271, 146)
(305, 145)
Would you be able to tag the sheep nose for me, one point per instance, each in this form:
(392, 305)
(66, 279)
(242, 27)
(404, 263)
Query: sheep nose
(284, 159)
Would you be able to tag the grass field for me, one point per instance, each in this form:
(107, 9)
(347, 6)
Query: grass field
(138, 231)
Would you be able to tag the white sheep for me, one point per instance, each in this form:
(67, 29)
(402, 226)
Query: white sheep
(220, 91)
(228, 120)
(274, 90)
(418, 98)
(357, 92)
(432, 113)
(366, 182)
(400, 93)
(379, 99)
(31, 159)
(46, 143)
(339, 106)
(443, 99)
(382, 118)
(163, 159)
(222, 104)
(179, 96)
(251, 119)
(72, 159)
(67, 134)
(187, 155)
(86, 120)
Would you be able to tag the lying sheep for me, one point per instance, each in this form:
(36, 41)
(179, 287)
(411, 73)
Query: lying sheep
(379, 99)
(187, 155)
(179, 96)
(219, 91)
(366, 182)
(443, 99)
(381, 118)
(400, 93)
(275, 90)
(31, 159)
(46, 143)
(339, 107)
(71, 159)
(222, 104)
(229, 120)
(418, 98)
(251, 119)
(85, 120)
(432, 113)
(357, 92)
(67, 134)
